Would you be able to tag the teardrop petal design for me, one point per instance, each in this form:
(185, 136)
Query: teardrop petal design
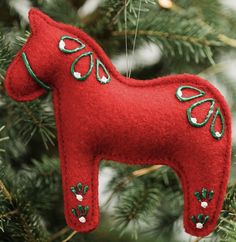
(62, 44)
(216, 134)
(104, 79)
(193, 121)
(77, 75)
(179, 93)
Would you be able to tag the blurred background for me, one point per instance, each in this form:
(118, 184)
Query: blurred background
(144, 39)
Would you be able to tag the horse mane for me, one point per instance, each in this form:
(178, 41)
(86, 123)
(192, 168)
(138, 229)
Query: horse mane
(97, 49)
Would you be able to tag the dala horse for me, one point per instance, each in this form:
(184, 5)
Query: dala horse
(181, 121)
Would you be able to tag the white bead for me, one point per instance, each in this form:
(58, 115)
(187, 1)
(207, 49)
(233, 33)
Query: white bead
(204, 204)
(218, 134)
(199, 225)
(62, 45)
(79, 197)
(77, 74)
(103, 79)
(194, 120)
(179, 93)
(82, 220)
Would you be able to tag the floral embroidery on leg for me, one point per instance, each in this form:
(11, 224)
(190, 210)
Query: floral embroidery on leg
(79, 191)
(81, 213)
(204, 197)
(200, 220)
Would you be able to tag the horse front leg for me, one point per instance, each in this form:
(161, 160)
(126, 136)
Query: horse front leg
(80, 186)
(78, 167)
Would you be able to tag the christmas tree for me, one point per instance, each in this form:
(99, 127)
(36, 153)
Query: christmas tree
(145, 39)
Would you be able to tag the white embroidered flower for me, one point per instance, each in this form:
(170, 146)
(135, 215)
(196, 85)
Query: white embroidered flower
(77, 74)
(104, 79)
(204, 204)
(199, 225)
(194, 120)
(79, 197)
(82, 220)
(218, 134)
(179, 93)
(62, 45)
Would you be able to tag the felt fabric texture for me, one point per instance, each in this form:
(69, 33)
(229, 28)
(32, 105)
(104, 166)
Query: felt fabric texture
(126, 120)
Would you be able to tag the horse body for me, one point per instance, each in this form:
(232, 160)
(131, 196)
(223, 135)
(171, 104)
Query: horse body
(123, 114)
(131, 121)
(127, 125)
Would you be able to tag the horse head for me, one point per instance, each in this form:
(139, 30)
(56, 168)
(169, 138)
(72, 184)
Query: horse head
(28, 76)
(38, 65)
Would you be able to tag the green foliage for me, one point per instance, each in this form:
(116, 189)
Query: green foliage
(59, 10)
(189, 39)
(32, 118)
(4, 55)
(24, 196)
(227, 223)
(192, 36)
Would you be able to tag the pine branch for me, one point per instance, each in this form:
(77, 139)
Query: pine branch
(145, 171)
(61, 10)
(198, 239)
(1, 140)
(70, 236)
(41, 184)
(8, 214)
(227, 223)
(138, 193)
(5, 55)
(192, 38)
(22, 216)
(170, 36)
(27, 198)
(167, 212)
(31, 119)
(59, 234)
(5, 192)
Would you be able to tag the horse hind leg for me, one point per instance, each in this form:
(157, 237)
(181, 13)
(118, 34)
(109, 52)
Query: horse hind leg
(204, 181)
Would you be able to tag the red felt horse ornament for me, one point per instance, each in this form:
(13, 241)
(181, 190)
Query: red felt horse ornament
(181, 121)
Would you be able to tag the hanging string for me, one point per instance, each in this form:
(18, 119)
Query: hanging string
(126, 40)
(135, 36)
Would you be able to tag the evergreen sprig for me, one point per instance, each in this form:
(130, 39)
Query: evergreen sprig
(31, 119)
(24, 200)
(227, 223)
(189, 38)
(5, 56)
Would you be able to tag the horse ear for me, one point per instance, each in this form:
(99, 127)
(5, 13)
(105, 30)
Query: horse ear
(37, 20)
